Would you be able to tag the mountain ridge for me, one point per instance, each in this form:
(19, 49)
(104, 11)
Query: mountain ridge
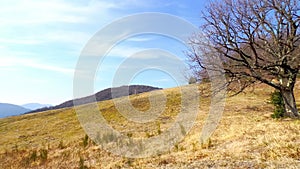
(7, 109)
(34, 106)
(102, 95)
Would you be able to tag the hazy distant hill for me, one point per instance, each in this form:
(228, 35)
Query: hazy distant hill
(11, 110)
(103, 95)
(34, 106)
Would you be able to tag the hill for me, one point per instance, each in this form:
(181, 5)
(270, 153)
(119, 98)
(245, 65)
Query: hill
(34, 106)
(246, 137)
(105, 94)
(11, 110)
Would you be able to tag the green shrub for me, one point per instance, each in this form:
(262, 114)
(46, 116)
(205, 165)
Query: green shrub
(192, 80)
(277, 101)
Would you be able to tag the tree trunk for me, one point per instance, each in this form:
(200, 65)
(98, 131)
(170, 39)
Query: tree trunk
(290, 103)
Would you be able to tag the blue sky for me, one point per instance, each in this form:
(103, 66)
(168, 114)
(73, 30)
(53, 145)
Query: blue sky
(41, 41)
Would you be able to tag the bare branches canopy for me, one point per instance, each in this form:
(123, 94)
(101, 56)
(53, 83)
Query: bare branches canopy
(257, 40)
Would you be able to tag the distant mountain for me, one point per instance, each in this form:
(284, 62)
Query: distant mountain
(105, 94)
(11, 110)
(34, 106)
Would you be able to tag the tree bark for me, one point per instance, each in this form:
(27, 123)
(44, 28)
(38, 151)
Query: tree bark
(289, 103)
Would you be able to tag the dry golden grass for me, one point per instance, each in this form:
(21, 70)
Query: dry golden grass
(247, 137)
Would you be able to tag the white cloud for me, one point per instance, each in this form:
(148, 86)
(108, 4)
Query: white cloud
(44, 12)
(69, 37)
(60, 36)
(35, 17)
(10, 63)
(124, 51)
(162, 80)
(33, 22)
(140, 39)
(29, 41)
(145, 3)
(120, 51)
(49, 67)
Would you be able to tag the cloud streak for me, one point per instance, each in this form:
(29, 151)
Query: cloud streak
(10, 63)
(44, 12)
(29, 41)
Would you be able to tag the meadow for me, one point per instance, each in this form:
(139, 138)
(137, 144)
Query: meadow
(246, 137)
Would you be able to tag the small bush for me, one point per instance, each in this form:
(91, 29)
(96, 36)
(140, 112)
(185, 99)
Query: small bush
(15, 148)
(182, 129)
(148, 135)
(33, 155)
(277, 101)
(43, 154)
(206, 144)
(129, 134)
(176, 146)
(192, 80)
(61, 145)
(158, 128)
(129, 162)
(85, 141)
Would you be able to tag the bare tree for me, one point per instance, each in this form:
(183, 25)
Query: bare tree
(257, 40)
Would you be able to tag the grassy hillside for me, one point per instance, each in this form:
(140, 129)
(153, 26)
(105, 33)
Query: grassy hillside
(246, 137)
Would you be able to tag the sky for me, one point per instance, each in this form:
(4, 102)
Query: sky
(41, 42)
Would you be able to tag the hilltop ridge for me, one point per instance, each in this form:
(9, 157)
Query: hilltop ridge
(102, 95)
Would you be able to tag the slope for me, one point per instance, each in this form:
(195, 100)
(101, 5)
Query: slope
(246, 137)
